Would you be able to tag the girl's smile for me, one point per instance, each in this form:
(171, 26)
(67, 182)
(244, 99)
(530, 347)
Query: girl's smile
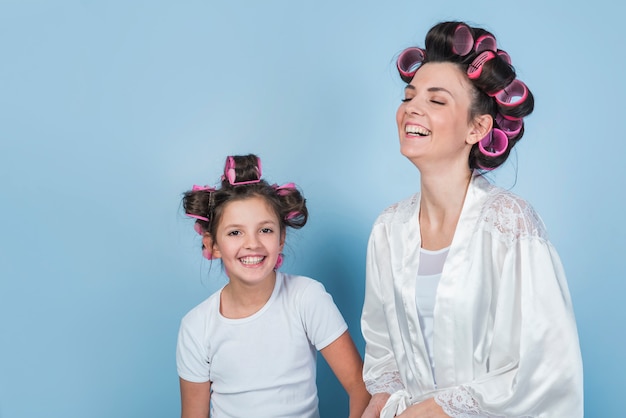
(248, 240)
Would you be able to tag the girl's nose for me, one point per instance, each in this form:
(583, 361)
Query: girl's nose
(252, 241)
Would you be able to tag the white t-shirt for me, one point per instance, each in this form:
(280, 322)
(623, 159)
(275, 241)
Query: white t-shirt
(263, 365)
(428, 276)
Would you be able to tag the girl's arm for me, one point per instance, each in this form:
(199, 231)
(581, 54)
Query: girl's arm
(345, 361)
(195, 399)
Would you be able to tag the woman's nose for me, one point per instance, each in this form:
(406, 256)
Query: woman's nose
(412, 107)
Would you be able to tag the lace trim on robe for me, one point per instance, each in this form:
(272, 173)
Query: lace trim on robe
(388, 382)
(510, 218)
(459, 403)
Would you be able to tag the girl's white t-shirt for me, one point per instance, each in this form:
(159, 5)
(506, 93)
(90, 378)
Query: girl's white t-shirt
(263, 365)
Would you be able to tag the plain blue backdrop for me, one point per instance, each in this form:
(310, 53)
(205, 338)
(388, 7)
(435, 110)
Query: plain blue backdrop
(109, 110)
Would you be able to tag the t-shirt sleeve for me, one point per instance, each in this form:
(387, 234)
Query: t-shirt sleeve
(192, 350)
(321, 318)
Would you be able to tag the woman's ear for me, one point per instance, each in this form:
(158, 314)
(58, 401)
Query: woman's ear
(481, 126)
(211, 246)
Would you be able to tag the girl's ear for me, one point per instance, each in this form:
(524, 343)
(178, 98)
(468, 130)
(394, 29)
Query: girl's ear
(283, 234)
(481, 126)
(210, 245)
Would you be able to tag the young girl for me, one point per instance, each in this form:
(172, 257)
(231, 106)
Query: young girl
(249, 350)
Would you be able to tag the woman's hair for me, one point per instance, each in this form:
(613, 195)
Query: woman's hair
(242, 180)
(493, 79)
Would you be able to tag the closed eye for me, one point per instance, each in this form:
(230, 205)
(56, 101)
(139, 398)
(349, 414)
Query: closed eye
(437, 102)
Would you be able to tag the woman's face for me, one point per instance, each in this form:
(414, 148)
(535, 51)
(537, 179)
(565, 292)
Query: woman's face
(433, 119)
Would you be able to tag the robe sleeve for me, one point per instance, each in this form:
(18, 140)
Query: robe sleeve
(380, 371)
(535, 366)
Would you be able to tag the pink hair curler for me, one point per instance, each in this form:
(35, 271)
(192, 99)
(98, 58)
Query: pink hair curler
(504, 55)
(476, 67)
(512, 95)
(410, 61)
(463, 40)
(285, 189)
(485, 43)
(231, 176)
(279, 262)
(510, 126)
(494, 143)
(202, 218)
(198, 228)
(197, 188)
(206, 253)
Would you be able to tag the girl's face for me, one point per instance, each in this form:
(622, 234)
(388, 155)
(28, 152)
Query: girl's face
(433, 119)
(248, 240)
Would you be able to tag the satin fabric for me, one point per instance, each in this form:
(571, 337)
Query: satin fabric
(504, 329)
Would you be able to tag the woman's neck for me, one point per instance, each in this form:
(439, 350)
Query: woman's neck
(441, 202)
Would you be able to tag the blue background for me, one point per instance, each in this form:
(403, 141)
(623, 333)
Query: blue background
(109, 110)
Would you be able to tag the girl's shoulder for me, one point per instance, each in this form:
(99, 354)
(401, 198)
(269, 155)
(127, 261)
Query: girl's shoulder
(296, 284)
(203, 310)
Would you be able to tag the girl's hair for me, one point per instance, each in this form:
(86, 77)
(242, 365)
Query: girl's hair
(242, 180)
(449, 42)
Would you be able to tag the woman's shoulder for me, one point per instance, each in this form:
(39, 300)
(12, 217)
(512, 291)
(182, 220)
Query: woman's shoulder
(511, 216)
(400, 211)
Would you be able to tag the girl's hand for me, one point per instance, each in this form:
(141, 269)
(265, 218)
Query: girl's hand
(376, 405)
(426, 409)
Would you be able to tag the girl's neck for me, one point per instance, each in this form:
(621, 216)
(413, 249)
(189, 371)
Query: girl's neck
(241, 300)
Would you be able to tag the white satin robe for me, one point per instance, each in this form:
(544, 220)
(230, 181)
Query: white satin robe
(505, 338)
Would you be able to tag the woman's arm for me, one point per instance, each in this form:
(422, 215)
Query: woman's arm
(195, 399)
(345, 361)
(426, 409)
(376, 405)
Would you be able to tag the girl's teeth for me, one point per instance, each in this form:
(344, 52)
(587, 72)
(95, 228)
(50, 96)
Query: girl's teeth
(251, 260)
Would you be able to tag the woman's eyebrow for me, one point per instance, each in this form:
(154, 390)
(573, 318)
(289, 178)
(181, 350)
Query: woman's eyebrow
(430, 89)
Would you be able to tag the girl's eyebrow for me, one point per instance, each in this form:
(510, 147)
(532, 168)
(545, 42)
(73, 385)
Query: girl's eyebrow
(237, 225)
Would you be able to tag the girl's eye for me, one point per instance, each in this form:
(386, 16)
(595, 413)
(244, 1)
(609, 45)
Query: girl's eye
(267, 230)
(234, 233)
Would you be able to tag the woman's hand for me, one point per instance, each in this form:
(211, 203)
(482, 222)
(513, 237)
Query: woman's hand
(376, 405)
(426, 409)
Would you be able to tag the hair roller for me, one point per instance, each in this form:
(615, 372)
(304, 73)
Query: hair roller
(510, 126)
(515, 100)
(490, 73)
(504, 55)
(463, 40)
(486, 42)
(242, 170)
(409, 61)
(494, 144)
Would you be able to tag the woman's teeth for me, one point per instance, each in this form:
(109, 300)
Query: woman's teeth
(417, 130)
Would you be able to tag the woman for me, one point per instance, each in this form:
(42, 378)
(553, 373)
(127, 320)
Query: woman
(467, 311)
